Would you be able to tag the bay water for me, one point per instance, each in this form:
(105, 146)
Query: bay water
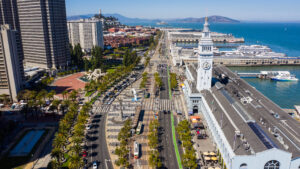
(280, 37)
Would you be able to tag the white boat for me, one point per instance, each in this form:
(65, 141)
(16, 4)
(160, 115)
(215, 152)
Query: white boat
(284, 76)
(162, 23)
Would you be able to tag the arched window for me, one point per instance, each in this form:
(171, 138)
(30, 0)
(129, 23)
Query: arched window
(273, 164)
(243, 166)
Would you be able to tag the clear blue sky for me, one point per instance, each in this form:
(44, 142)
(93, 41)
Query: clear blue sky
(258, 10)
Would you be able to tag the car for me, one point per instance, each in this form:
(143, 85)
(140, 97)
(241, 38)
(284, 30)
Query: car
(95, 166)
(88, 127)
(84, 154)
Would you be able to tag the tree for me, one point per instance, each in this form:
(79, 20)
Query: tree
(73, 95)
(55, 104)
(158, 81)
(57, 154)
(75, 162)
(154, 159)
(86, 65)
(173, 81)
(97, 58)
(5, 98)
(64, 94)
(51, 94)
(76, 56)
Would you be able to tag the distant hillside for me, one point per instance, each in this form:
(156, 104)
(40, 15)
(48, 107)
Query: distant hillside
(77, 17)
(211, 19)
(124, 19)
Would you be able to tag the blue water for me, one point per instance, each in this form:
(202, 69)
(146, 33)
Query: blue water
(27, 143)
(280, 37)
(285, 94)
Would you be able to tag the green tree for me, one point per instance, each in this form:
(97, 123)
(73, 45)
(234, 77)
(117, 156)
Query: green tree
(51, 94)
(75, 162)
(76, 56)
(97, 58)
(173, 81)
(86, 65)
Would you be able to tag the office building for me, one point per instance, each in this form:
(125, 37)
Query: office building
(44, 33)
(10, 70)
(86, 32)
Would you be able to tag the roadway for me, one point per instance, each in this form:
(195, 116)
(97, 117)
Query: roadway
(167, 150)
(96, 142)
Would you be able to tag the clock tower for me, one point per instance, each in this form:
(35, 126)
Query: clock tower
(205, 59)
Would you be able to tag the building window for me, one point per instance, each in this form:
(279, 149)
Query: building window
(273, 164)
(243, 166)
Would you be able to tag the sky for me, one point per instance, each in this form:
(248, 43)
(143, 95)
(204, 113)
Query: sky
(247, 10)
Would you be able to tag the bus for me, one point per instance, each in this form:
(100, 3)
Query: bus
(139, 128)
(136, 150)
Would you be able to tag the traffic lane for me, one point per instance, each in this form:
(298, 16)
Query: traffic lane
(96, 145)
(168, 155)
(103, 154)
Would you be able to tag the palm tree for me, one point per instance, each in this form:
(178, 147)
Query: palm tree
(5, 98)
(64, 94)
(57, 154)
(76, 149)
(43, 93)
(59, 141)
(73, 95)
(51, 94)
(75, 162)
(55, 105)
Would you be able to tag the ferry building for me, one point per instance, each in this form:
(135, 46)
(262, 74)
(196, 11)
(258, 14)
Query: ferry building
(249, 130)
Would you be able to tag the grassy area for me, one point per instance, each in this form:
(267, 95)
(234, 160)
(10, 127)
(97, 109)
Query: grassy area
(111, 70)
(19, 162)
(173, 128)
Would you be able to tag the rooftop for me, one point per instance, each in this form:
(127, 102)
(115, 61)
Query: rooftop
(258, 123)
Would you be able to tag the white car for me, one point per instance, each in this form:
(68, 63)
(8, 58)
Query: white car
(95, 165)
(88, 127)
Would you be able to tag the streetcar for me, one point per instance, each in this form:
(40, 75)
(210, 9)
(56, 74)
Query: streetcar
(136, 150)
(139, 128)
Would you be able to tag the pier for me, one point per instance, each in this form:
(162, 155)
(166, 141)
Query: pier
(262, 74)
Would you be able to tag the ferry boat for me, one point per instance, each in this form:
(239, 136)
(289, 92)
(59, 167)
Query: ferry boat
(162, 23)
(284, 76)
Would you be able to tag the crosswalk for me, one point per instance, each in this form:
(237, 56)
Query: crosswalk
(101, 108)
(157, 104)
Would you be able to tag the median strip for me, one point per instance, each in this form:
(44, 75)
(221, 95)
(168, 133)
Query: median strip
(173, 127)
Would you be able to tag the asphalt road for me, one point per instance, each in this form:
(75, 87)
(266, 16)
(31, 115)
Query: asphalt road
(162, 70)
(97, 146)
(167, 150)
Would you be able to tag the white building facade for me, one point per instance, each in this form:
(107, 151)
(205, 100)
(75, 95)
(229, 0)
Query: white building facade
(240, 136)
(86, 32)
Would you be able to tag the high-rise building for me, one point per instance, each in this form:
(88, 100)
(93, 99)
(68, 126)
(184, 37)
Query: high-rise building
(9, 15)
(10, 70)
(86, 32)
(11, 51)
(44, 33)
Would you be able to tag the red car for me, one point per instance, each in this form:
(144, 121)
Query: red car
(84, 154)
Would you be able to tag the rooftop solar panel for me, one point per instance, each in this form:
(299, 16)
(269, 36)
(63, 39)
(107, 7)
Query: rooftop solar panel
(262, 135)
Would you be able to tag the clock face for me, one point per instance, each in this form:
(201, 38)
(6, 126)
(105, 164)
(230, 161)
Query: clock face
(206, 66)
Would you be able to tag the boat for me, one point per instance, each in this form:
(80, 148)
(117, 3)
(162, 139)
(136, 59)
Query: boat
(284, 76)
(162, 23)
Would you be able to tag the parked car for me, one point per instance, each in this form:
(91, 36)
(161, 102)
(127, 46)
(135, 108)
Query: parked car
(95, 166)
